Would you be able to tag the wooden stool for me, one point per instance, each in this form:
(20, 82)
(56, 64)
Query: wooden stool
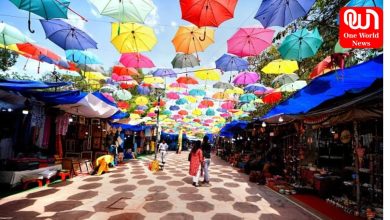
(32, 179)
(63, 174)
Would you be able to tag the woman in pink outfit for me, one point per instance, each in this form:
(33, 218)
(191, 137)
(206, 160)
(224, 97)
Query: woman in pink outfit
(196, 162)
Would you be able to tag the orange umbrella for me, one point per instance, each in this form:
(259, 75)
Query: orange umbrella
(122, 71)
(183, 112)
(207, 103)
(322, 67)
(191, 39)
(36, 51)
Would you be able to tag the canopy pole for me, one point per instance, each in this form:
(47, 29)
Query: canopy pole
(71, 10)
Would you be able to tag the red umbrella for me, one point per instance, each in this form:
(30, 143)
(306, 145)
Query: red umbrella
(136, 60)
(126, 85)
(119, 78)
(123, 71)
(123, 105)
(36, 51)
(207, 12)
(162, 103)
(207, 103)
(183, 112)
(272, 98)
(322, 67)
(197, 120)
(187, 80)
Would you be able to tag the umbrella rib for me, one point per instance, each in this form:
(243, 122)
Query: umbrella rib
(44, 9)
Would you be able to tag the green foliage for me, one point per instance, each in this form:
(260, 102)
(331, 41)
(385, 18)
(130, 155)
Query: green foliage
(8, 58)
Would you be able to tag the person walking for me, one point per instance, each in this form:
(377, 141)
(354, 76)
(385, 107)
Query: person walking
(196, 160)
(162, 148)
(206, 150)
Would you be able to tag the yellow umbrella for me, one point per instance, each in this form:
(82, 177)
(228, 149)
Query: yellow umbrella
(94, 76)
(135, 116)
(197, 112)
(153, 80)
(190, 99)
(235, 90)
(221, 95)
(132, 37)
(280, 67)
(141, 100)
(205, 74)
(191, 39)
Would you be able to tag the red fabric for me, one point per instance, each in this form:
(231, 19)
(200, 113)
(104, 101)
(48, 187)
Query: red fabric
(59, 146)
(322, 67)
(325, 208)
(207, 12)
(196, 161)
(338, 59)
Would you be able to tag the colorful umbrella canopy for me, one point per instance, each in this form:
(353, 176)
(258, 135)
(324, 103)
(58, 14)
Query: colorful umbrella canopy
(132, 37)
(229, 62)
(143, 90)
(189, 39)
(197, 92)
(292, 87)
(245, 78)
(94, 76)
(223, 85)
(174, 108)
(164, 73)
(181, 101)
(123, 95)
(248, 107)
(11, 35)
(82, 57)
(191, 99)
(207, 103)
(166, 112)
(162, 103)
(128, 84)
(153, 80)
(36, 52)
(208, 74)
(282, 12)
(197, 112)
(123, 105)
(255, 87)
(141, 100)
(301, 44)
(250, 41)
(108, 88)
(210, 112)
(280, 66)
(221, 95)
(182, 112)
(322, 67)
(124, 71)
(67, 36)
(178, 85)
(246, 98)
(172, 95)
(272, 98)
(184, 61)
(228, 105)
(187, 80)
(285, 78)
(125, 10)
(235, 91)
(136, 60)
(207, 12)
(118, 78)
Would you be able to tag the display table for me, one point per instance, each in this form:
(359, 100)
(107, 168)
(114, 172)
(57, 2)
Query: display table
(13, 178)
(326, 185)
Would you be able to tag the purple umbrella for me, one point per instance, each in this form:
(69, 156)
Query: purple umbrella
(245, 78)
(282, 12)
(165, 73)
(143, 90)
(143, 108)
(67, 36)
(255, 87)
(174, 108)
(229, 62)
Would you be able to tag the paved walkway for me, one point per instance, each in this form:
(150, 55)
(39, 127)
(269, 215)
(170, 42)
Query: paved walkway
(131, 191)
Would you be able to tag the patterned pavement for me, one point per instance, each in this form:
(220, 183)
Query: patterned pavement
(131, 191)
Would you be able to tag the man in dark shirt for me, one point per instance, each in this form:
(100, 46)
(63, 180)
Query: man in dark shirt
(206, 148)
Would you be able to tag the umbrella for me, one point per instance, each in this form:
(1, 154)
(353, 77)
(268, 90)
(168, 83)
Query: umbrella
(197, 112)
(122, 95)
(223, 85)
(153, 80)
(207, 103)
(221, 110)
(142, 107)
(132, 37)
(197, 92)
(94, 76)
(38, 53)
(301, 44)
(221, 95)
(165, 73)
(208, 74)
(282, 12)
(229, 62)
(235, 90)
(248, 107)
(82, 57)
(173, 95)
(108, 88)
(228, 105)
(67, 36)
(118, 78)
(151, 114)
(280, 66)
(162, 103)
(181, 101)
(191, 99)
(166, 112)
(128, 84)
(109, 97)
(292, 87)
(245, 78)
(141, 100)
(207, 12)
(125, 10)
(123, 105)
(92, 67)
(255, 87)
(322, 67)
(246, 98)
(250, 41)
(210, 112)
(285, 78)
(136, 60)
(174, 108)
(184, 61)
(11, 35)
(143, 90)
(124, 71)
(339, 49)
(365, 3)
(187, 80)
(188, 39)
(182, 112)
(272, 98)
(178, 85)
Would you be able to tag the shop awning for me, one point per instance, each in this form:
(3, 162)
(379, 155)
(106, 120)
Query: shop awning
(329, 86)
(129, 127)
(119, 115)
(22, 85)
(232, 127)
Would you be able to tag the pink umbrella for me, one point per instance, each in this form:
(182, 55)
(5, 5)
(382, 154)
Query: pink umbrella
(118, 78)
(173, 95)
(261, 92)
(209, 121)
(225, 115)
(245, 78)
(178, 85)
(250, 41)
(228, 105)
(109, 97)
(202, 106)
(152, 114)
(136, 60)
(176, 117)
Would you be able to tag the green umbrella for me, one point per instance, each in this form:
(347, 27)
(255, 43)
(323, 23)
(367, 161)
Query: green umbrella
(246, 98)
(125, 10)
(184, 61)
(292, 87)
(210, 112)
(248, 107)
(301, 44)
(166, 112)
(285, 78)
(11, 35)
(123, 95)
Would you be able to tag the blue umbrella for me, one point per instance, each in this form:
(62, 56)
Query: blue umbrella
(222, 110)
(246, 98)
(67, 36)
(174, 108)
(365, 3)
(231, 63)
(141, 107)
(143, 90)
(181, 101)
(82, 57)
(197, 92)
(282, 12)
(165, 73)
(255, 87)
(210, 112)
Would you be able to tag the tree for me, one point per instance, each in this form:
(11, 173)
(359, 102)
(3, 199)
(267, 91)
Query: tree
(8, 58)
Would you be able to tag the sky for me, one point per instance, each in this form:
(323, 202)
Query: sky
(165, 21)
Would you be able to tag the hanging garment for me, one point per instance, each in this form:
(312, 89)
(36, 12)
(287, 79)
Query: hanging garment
(47, 132)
